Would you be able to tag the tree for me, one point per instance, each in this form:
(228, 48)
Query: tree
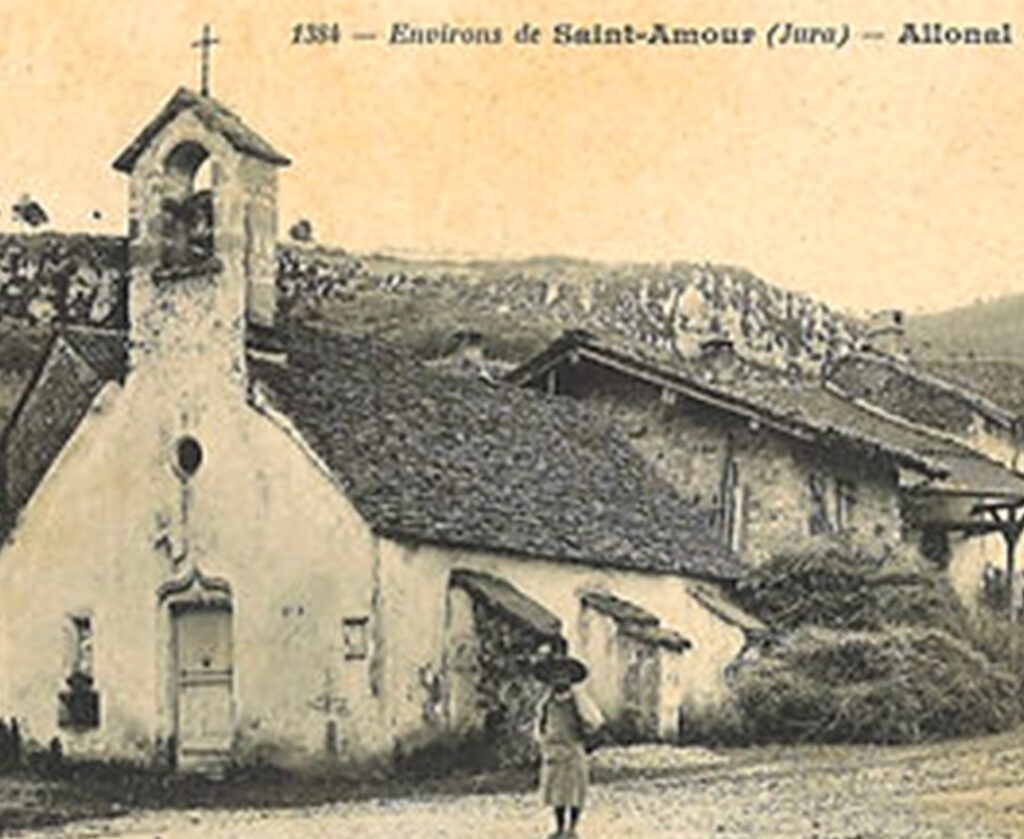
(301, 231)
(30, 211)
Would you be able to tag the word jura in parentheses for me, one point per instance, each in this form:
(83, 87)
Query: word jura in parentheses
(790, 34)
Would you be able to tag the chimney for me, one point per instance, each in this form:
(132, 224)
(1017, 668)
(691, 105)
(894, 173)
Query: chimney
(886, 333)
(719, 359)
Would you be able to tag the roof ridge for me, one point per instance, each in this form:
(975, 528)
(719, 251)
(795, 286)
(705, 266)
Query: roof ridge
(216, 116)
(788, 422)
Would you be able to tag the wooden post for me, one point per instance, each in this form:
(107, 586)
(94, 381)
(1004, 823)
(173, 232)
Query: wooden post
(552, 383)
(1011, 570)
(1010, 526)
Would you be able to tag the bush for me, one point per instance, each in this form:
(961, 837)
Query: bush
(840, 584)
(442, 757)
(896, 686)
(720, 724)
(10, 746)
(875, 649)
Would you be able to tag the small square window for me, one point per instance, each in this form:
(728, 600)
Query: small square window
(354, 637)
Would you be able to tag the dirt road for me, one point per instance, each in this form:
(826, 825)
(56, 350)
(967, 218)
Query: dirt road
(971, 789)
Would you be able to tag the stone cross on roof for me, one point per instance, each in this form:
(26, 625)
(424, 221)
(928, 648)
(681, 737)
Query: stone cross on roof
(205, 44)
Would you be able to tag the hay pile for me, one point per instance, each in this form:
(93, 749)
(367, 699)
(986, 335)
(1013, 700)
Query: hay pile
(841, 585)
(873, 649)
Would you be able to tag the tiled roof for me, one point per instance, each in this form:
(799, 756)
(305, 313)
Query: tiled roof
(215, 116)
(716, 603)
(617, 608)
(915, 393)
(635, 621)
(105, 350)
(972, 474)
(999, 381)
(812, 411)
(502, 596)
(438, 459)
(657, 636)
(68, 376)
(800, 408)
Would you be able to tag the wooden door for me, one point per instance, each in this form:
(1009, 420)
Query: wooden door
(641, 690)
(203, 668)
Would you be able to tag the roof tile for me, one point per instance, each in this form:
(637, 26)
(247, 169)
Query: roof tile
(439, 459)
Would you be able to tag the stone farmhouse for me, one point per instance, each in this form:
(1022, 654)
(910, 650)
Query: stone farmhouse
(771, 458)
(228, 544)
(973, 520)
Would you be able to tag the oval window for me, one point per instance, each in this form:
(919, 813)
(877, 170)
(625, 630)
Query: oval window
(189, 456)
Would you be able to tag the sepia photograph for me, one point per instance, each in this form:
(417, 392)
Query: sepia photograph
(511, 419)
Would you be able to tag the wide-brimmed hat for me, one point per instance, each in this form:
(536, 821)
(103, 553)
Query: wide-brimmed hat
(561, 668)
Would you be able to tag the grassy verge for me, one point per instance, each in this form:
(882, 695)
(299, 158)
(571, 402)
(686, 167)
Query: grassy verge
(93, 790)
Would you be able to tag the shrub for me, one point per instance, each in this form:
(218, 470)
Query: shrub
(720, 724)
(837, 583)
(895, 686)
(875, 648)
(442, 757)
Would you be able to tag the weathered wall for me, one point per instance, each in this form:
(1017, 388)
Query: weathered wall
(414, 612)
(970, 557)
(105, 530)
(689, 445)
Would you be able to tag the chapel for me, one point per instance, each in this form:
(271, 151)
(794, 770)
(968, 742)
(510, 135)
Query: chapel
(234, 541)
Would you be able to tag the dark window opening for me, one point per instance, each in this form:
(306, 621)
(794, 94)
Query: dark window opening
(819, 517)
(189, 456)
(186, 215)
(846, 502)
(79, 703)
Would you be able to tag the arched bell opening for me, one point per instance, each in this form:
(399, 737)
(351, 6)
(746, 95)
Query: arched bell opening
(187, 207)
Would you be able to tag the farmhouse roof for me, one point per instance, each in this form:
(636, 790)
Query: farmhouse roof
(998, 380)
(915, 393)
(105, 350)
(58, 405)
(657, 636)
(973, 474)
(801, 409)
(211, 113)
(715, 602)
(816, 412)
(445, 460)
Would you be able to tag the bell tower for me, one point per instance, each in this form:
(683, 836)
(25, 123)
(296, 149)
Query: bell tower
(202, 260)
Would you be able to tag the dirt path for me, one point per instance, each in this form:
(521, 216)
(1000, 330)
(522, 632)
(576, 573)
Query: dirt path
(972, 789)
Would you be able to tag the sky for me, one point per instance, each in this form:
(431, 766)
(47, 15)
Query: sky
(872, 176)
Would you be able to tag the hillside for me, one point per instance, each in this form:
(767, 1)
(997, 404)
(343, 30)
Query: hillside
(512, 307)
(980, 346)
(989, 329)
(515, 307)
